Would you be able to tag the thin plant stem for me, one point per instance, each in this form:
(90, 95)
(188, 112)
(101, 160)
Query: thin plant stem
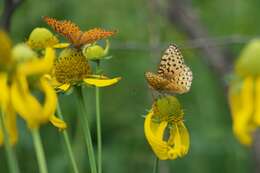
(86, 129)
(39, 151)
(67, 142)
(156, 165)
(98, 121)
(11, 159)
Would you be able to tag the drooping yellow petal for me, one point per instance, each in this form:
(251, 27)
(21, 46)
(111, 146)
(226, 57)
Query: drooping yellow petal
(58, 122)
(4, 89)
(27, 106)
(50, 102)
(10, 123)
(154, 135)
(257, 101)
(101, 82)
(38, 66)
(8, 111)
(242, 111)
(179, 140)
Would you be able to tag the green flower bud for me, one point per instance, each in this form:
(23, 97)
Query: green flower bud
(248, 62)
(22, 53)
(41, 38)
(95, 52)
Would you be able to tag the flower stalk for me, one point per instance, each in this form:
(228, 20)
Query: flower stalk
(67, 142)
(12, 162)
(156, 165)
(98, 121)
(86, 129)
(39, 151)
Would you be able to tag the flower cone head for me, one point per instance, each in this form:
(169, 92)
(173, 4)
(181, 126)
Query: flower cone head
(168, 106)
(71, 66)
(41, 38)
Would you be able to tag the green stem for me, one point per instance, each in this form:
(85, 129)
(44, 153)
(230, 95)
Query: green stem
(67, 142)
(86, 129)
(39, 151)
(12, 162)
(99, 131)
(156, 165)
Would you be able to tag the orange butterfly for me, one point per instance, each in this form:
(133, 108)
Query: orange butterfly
(73, 33)
(173, 76)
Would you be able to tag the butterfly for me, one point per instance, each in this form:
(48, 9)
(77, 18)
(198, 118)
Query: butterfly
(173, 76)
(73, 33)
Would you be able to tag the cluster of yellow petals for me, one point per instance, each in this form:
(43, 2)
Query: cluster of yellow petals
(16, 96)
(165, 116)
(244, 99)
(244, 93)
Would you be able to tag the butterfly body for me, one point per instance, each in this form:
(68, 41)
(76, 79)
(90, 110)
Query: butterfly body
(173, 76)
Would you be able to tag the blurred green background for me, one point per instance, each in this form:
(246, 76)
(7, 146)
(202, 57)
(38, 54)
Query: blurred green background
(213, 147)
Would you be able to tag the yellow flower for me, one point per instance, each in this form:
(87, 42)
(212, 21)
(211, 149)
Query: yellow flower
(25, 70)
(166, 117)
(72, 68)
(244, 93)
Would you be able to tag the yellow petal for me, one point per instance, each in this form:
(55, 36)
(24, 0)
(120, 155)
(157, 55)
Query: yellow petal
(25, 104)
(9, 120)
(50, 102)
(257, 102)
(58, 122)
(4, 89)
(174, 142)
(64, 87)
(242, 104)
(154, 135)
(101, 82)
(10, 123)
(38, 66)
(185, 139)
(61, 45)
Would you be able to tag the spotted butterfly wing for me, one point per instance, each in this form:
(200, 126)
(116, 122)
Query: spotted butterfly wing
(65, 28)
(173, 75)
(73, 33)
(95, 34)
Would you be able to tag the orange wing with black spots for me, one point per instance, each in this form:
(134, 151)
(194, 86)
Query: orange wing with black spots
(73, 33)
(172, 69)
(95, 34)
(66, 28)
